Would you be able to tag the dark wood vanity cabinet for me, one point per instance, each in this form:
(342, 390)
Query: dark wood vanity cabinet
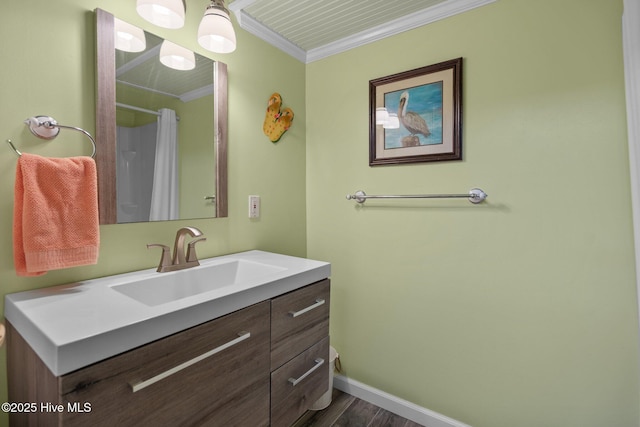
(299, 351)
(258, 366)
(229, 387)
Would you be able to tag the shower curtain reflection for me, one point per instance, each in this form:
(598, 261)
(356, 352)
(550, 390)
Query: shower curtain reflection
(135, 170)
(164, 198)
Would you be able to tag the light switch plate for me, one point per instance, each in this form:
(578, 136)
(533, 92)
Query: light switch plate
(254, 206)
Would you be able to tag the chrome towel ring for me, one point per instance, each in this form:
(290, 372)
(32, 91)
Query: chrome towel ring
(46, 127)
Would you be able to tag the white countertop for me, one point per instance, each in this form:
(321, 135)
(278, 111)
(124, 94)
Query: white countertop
(72, 326)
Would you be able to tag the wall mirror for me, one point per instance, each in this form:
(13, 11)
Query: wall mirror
(161, 132)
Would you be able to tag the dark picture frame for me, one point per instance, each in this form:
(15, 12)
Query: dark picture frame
(428, 102)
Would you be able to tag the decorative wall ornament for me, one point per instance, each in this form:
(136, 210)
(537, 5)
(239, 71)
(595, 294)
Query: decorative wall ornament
(428, 102)
(276, 122)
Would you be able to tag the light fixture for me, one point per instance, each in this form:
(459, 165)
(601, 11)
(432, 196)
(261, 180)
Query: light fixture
(215, 32)
(381, 115)
(177, 57)
(392, 122)
(128, 38)
(163, 13)
(386, 119)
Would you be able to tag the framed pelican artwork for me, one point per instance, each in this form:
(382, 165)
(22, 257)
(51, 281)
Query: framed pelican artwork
(416, 115)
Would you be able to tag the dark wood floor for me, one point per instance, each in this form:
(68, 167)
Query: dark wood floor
(346, 410)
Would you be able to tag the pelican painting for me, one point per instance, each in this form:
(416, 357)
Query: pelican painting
(428, 125)
(419, 113)
(412, 122)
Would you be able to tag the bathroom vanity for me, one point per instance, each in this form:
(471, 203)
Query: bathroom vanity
(259, 359)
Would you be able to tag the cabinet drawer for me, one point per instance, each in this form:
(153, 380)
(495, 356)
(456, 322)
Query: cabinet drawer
(299, 383)
(215, 374)
(298, 320)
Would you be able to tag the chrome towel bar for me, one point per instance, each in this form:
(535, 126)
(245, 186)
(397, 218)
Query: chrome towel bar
(475, 196)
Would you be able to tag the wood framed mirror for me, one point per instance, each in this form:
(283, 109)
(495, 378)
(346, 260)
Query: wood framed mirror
(108, 156)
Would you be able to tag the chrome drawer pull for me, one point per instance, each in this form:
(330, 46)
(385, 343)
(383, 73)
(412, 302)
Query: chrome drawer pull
(318, 303)
(146, 383)
(319, 363)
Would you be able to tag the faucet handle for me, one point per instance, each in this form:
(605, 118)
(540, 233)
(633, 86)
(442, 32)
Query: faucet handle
(191, 250)
(165, 259)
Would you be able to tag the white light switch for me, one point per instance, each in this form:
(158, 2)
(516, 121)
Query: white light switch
(254, 206)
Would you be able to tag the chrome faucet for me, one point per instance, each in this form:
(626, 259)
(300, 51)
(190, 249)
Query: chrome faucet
(179, 260)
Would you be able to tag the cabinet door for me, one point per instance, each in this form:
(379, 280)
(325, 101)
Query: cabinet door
(215, 374)
(299, 319)
(299, 383)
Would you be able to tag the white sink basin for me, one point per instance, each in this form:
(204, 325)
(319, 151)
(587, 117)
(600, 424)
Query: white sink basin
(168, 287)
(75, 325)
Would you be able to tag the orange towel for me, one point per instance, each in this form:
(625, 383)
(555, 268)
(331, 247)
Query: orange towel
(55, 215)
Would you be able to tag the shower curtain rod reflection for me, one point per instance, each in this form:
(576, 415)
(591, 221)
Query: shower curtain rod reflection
(475, 196)
(142, 110)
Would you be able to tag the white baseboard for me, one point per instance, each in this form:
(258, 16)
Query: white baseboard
(394, 404)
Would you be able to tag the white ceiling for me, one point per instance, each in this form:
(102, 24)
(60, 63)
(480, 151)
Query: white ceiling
(314, 29)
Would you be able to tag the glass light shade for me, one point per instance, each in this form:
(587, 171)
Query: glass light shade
(128, 38)
(215, 32)
(163, 13)
(381, 115)
(392, 122)
(177, 57)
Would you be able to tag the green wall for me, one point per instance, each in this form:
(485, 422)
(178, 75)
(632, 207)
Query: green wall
(518, 312)
(49, 69)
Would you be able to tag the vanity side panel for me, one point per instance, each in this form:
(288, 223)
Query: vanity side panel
(219, 390)
(292, 335)
(29, 381)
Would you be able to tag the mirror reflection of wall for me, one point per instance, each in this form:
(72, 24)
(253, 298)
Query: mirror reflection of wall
(165, 132)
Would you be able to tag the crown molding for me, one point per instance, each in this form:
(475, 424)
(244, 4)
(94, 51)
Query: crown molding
(435, 13)
(257, 29)
(397, 26)
(145, 56)
(197, 93)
